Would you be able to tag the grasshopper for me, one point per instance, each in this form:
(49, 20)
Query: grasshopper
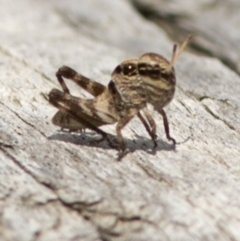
(134, 83)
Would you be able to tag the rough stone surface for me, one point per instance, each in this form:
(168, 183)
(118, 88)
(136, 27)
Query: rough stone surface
(58, 186)
(214, 23)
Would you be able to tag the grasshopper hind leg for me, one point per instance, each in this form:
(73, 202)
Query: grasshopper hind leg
(92, 87)
(54, 95)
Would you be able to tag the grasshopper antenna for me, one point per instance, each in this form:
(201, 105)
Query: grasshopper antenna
(175, 54)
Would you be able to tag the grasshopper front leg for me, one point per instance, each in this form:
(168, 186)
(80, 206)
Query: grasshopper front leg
(120, 125)
(166, 126)
(151, 132)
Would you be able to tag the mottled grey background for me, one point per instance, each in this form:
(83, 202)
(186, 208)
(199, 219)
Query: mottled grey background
(57, 186)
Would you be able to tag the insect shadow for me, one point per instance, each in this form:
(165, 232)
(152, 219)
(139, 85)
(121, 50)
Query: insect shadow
(91, 139)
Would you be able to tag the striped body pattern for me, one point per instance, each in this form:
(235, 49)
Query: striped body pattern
(134, 83)
(158, 80)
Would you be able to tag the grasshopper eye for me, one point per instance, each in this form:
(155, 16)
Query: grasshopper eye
(129, 69)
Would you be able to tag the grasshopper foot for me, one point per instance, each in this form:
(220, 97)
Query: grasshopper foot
(122, 153)
(173, 140)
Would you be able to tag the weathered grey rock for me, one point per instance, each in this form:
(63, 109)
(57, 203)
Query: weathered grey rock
(58, 186)
(215, 24)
